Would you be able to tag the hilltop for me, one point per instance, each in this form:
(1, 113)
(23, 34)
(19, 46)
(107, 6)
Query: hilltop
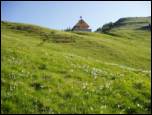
(51, 71)
(132, 22)
(128, 23)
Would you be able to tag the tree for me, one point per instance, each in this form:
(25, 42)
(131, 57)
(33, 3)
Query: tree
(105, 28)
(68, 29)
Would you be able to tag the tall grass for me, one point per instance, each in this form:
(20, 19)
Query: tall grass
(91, 73)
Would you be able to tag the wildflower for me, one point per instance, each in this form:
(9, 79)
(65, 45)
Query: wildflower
(12, 75)
(22, 71)
(71, 70)
(11, 88)
(103, 107)
(42, 86)
(50, 90)
(85, 68)
(12, 58)
(87, 93)
(91, 108)
(93, 90)
(85, 85)
(8, 94)
(94, 73)
(138, 105)
(101, 111)
(107, 85)
(119, 106)
(121, 75)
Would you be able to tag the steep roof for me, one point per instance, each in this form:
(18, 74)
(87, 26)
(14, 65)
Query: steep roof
(81, 24)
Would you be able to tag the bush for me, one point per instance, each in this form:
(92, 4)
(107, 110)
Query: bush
(42, 67)
(105, 28)
(68, 29)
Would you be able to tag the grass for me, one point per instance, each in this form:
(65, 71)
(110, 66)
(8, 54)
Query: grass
(49, 71)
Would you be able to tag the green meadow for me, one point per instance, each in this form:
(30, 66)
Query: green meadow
(50, 71)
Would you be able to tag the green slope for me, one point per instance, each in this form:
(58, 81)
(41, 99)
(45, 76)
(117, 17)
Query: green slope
(132, 22)
(128, 23)
(49, 71)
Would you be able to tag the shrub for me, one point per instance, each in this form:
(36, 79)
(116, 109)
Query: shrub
(105, 28)
(42, 67)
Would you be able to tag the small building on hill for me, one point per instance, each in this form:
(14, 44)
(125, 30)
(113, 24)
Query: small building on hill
(81, 26)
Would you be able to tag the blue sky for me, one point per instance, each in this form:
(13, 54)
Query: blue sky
(63, 14)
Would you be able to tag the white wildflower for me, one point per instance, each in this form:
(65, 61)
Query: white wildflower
(138, 105)
(103, 107)
(84, 85)
(50, 90)
(91, 108)
(118, 105)
(71, 70)
(107, 85)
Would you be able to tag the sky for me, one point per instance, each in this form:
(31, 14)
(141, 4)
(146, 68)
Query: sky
(63, 14)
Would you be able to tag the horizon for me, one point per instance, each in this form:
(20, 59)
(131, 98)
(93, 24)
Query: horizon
(60, 15)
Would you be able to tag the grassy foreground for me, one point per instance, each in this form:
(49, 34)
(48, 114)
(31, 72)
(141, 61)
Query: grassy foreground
(49, 71)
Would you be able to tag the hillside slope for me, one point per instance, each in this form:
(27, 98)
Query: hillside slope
(49, 71)
(128, 23)
(132, 22)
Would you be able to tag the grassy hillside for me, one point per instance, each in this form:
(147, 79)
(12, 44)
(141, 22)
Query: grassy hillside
(128, 23)
(49, 71)
(132, 22)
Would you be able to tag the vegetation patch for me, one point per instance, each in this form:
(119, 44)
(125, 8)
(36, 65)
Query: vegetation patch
(47, 71)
